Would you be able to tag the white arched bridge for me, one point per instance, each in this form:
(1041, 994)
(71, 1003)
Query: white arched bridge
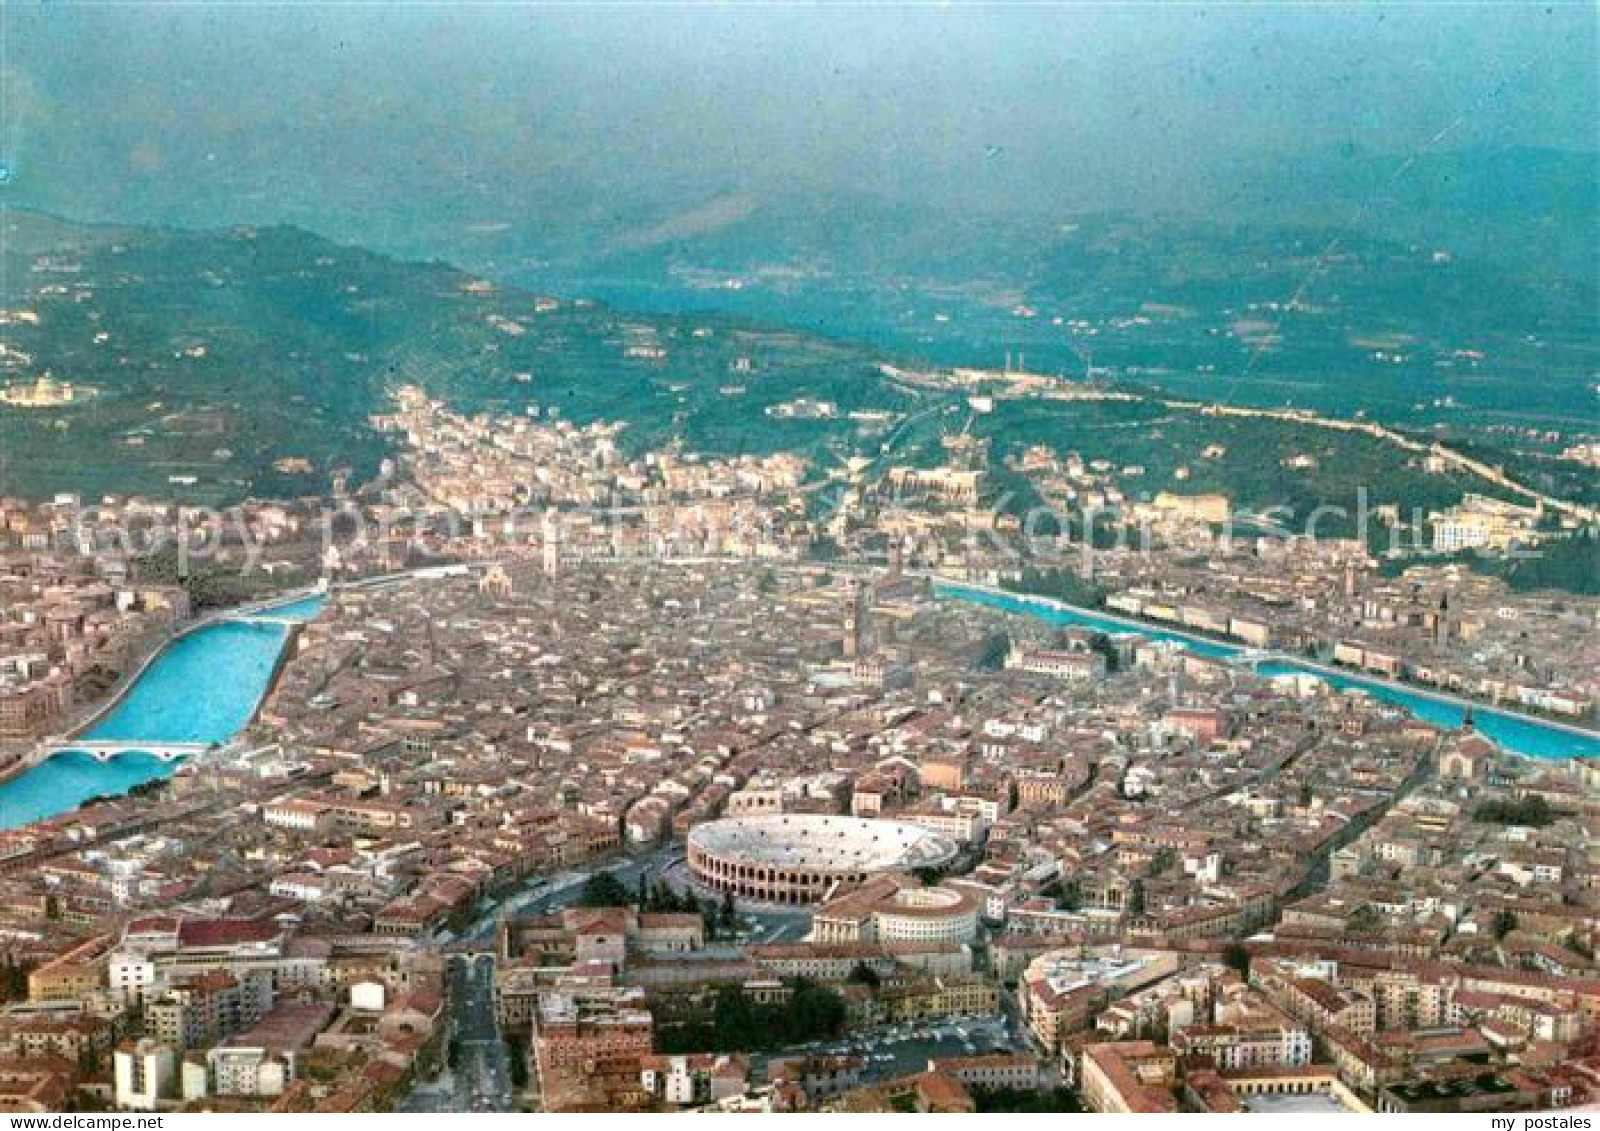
(102, 750)
(1253, 658)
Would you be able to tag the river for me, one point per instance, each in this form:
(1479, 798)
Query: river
(203, 687)
(1517, 733)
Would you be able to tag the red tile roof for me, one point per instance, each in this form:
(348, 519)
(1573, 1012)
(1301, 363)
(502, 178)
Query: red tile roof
(226, 932)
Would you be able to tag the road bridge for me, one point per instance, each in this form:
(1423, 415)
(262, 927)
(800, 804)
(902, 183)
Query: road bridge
(104, 751)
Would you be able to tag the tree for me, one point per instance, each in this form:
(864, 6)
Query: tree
(1236, 957)
(1103, 644)
(518, 1062)
(1364, 919)
(1533, 811)
(996, 647)
(813, 1012)
(729, 917)
(1061, 584)
(864, 975)
(13, 980)
(732, 1019)
(602, 889)
(1505, 921)
(1134, 904)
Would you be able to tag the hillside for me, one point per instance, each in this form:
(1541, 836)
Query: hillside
(249, 362)
(1406, 319)
(219, 355)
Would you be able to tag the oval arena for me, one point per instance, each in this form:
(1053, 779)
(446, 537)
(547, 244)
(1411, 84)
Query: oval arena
(796, 858)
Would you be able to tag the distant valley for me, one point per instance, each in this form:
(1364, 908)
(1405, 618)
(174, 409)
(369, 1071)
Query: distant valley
(249, 362)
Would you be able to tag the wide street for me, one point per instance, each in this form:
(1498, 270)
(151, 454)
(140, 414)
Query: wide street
(478, 1076)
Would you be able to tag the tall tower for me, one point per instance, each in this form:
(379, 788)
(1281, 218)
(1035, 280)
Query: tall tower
(857, 621)
(852, 620)
(550, 546)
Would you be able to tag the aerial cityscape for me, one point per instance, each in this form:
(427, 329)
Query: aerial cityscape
(800, 559)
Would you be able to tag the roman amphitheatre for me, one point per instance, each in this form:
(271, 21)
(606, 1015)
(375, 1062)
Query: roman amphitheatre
(797, 858)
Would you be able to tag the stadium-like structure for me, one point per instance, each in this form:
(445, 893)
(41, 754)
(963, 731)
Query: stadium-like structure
(797, 858)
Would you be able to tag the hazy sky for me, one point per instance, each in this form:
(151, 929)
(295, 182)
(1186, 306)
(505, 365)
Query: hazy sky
(390, 122)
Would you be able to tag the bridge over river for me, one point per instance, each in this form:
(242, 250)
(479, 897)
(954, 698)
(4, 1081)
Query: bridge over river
(197, 693)
(1513, 731)
(105, 751)
(258, 618)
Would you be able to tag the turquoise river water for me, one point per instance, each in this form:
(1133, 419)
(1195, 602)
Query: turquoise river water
(203, 687)
(1519, 734)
